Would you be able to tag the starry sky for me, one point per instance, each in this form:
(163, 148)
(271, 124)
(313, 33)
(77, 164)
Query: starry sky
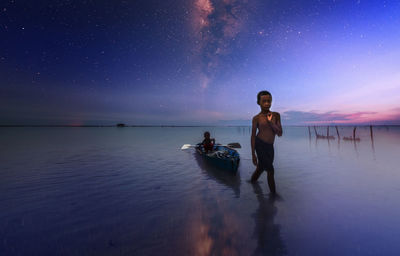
(198, 62)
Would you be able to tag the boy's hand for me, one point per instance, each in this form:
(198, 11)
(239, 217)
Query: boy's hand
(254, 160)
(271, 118)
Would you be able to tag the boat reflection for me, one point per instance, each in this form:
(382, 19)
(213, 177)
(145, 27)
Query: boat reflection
(222, 176)
(269, 240)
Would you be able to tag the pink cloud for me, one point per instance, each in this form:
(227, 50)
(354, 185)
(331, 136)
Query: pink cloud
(332, 117)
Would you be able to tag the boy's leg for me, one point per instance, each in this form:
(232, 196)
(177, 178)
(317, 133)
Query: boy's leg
(256, 174)
(271, 182)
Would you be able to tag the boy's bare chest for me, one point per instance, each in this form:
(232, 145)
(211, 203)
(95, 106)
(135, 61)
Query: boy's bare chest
(263, 123)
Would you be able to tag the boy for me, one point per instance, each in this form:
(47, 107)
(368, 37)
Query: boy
(268, 124)
(208, 143)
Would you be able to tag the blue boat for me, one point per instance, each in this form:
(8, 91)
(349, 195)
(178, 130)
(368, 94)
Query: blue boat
(222, 157)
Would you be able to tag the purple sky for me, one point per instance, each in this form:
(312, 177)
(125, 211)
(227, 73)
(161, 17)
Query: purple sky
(199, 62)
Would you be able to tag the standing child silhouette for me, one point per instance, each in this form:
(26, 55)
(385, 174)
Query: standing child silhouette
(268, 125)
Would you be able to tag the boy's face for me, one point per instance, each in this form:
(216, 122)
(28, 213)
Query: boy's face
(265, 102)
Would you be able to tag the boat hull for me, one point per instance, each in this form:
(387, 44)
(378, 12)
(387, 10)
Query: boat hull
(221, 156)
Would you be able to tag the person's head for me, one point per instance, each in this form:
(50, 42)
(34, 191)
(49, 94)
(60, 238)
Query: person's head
(264, 99)
(207, 135)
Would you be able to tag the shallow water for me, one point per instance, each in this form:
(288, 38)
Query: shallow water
(132, 191)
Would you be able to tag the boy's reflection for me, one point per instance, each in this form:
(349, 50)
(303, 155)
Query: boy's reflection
(269, 241)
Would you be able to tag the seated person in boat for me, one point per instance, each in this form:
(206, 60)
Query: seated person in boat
(208, 143)
(265, 126)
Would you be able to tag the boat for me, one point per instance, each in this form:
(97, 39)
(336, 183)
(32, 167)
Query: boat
(221, 156)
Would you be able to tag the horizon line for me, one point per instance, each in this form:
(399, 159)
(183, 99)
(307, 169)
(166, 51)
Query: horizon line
(124, 126)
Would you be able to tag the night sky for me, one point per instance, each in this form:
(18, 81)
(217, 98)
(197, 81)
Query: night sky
(196, 62)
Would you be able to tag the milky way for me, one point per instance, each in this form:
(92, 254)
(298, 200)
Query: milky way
(215, 26)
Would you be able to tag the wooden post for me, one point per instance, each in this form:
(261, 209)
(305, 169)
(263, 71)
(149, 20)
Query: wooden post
(372, 134)
(309, 132)
(315, 129)
(354, 132)
(337, 131)
(327, 131)
(372, 140)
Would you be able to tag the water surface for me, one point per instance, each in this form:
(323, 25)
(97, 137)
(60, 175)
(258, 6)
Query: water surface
(132, 191)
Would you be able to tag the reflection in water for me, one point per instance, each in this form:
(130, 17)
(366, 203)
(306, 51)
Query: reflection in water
(372, 142)
(213, 230)
(367, 134)
(355, 148)
(113, 186)
(213, 227)
(269, 241)
(223, 177)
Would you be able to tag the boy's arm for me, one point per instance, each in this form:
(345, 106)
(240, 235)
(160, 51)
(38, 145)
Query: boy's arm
(253, 139)
(276, 126)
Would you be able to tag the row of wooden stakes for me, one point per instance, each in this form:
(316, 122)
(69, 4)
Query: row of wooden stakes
(330, 137)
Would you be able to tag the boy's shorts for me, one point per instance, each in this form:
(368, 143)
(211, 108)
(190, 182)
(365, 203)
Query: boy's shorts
(265, 155)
